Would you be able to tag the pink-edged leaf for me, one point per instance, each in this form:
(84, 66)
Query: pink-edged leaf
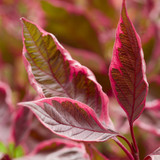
(69, 118)
(58, 149)
(6, 109)
(53, 73)
(150, 119)
(21, 125)
(154, 156)
(127, 69)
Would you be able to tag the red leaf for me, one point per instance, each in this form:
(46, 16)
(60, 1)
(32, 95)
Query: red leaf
(69, 118)
(154, 156)
(127, 69)
(53, 73)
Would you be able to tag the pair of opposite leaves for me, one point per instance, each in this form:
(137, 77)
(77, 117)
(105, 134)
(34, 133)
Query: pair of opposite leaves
(73, 104)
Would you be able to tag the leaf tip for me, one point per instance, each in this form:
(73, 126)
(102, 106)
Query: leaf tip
(22, 19)
(123, 11)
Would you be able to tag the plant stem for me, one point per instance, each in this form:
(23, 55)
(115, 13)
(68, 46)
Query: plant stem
(124, 149)
(126, 140)
(136, 151)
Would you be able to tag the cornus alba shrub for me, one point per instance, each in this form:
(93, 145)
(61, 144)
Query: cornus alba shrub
(72, 103)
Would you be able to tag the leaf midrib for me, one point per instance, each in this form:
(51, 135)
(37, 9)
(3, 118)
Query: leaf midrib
(129, 30)
(70, 124)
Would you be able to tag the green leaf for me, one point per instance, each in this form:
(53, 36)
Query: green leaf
(15, 152)
(18, 152)
(3, 148)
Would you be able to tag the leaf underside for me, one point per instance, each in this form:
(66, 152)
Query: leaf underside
(53, 73)
(69, 118)
(127, 69)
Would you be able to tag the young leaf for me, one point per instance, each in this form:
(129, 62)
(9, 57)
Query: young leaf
(154, 156)
(127, 69)
(69, 118)
(53, 73)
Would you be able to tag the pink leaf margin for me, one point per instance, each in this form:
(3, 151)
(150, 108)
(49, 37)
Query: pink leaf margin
(64, 52)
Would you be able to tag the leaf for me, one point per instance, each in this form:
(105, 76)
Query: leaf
(69, 118)
(21, 125)
(150, 119)
(127, 69)
(3, 148)
(6, 109)
(37, 134)
(154, 156)
(58, 149)
(15, 151)
(53, 73)
(78, 31)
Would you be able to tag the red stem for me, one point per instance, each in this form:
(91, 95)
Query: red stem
(124, 149)
(136, 151)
